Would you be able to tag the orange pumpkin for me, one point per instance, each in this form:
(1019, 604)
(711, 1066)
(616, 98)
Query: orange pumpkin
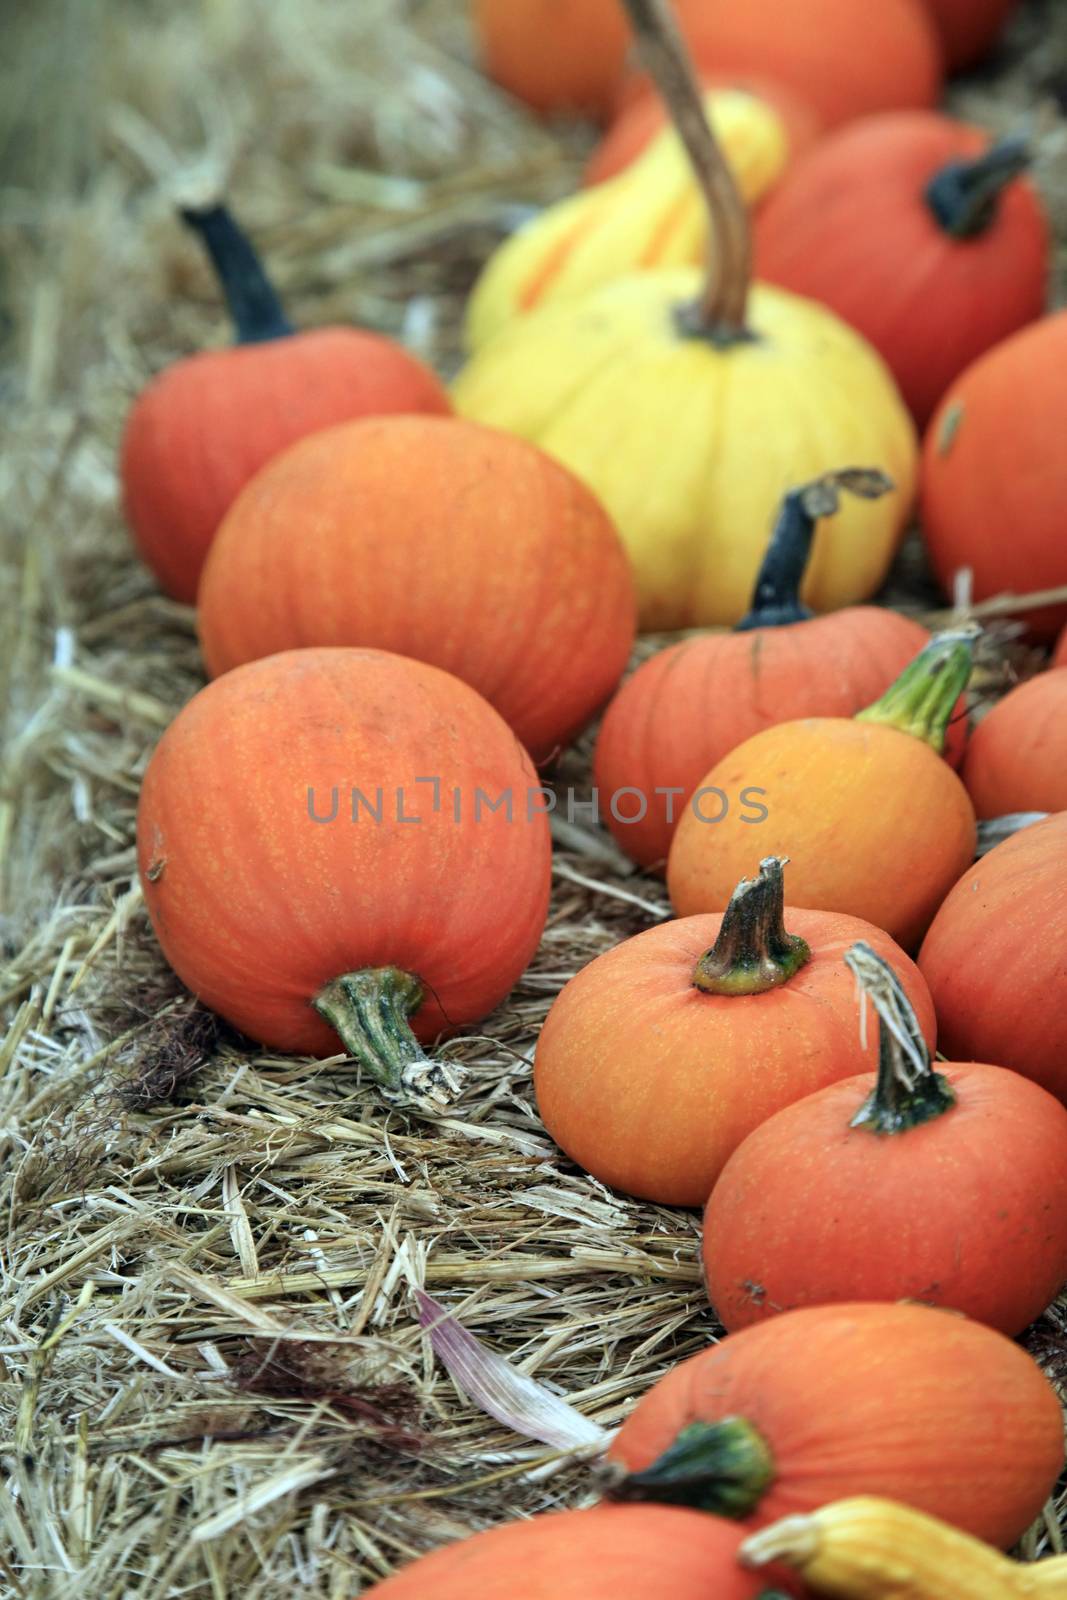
(634, 129)
(1017, 758)
(994, 478)
(900, 1401)
(876, 824)
(556, 55)
(287, 883)
(689, 705)
(917, 233)
(605, 1553)
(205, 425)
(665, 1052)
(969, 28)
(946, 1186)
(846, 58)
(489, 560)
(994, 958)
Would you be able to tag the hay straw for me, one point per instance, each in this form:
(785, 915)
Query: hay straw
(212, 1376)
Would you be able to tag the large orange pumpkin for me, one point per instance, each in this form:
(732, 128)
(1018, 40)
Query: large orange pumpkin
(946, 1186)
(605, 1553)
(317, 860)
(1017, 758)
(689, 705)
(200, 429)
(556, 55)
(437, 539)
(917, 233)
(665, 1052)
(995, 958)
(875, 823)
(846, 58)
(994, 479)
(901, 1401)
(968, 28)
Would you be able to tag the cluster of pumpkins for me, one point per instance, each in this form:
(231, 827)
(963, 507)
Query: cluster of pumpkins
(408, 600)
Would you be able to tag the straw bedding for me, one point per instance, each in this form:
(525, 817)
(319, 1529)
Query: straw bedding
(211, 1375)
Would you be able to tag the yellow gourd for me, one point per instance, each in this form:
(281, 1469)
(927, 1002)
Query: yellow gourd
(690, 421)
(871, 1549)
(652, 215)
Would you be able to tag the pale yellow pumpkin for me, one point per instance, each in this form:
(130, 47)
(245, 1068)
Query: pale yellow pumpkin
(690, 445)
(651, 215)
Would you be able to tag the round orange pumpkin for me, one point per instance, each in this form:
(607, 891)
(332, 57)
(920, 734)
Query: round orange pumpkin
(604, 1553)
(1017, 758)
(946, 1186)
(846, 58)
(901, 1401)
(689, 705)
(437, 539)
(634, 129)
(665, 1052)
(911, 228)
(994, 475)
(969, 28)
(556, 55)
(317, 862)
(207, 423)
(876, 824)
(994, 958)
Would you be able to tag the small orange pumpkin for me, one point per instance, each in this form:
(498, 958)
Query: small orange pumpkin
(287, 884)
(556, 55)
(901, 1401)
(488, 559)
(946, 1186)
(1017, 757)
(665, 1052)
(994, 474)
(876, 824)
(994, 958)
(920, 235)
(205, 425)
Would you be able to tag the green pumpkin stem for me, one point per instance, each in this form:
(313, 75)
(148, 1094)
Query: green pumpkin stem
(719, 315)
(255, 308)
(908, 1091)
(753, 952)
(370, 1011)
(923, 698)
(723, 1467)
(776, 601)
(964, 195)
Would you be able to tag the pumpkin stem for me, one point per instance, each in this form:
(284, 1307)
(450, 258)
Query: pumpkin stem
(776, 600)
(908, 1091)
(254, 306)
(922, 699)
(719, 314)
(723, 1467)
(369, 1010)
(753, 952)
(964, 195)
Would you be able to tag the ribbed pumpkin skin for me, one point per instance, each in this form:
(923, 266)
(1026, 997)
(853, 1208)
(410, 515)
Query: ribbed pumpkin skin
(850, 227)
(900, 1401)
(635, 128)
(967, 1211)
(994, 958)
(204, 426)
(691, 704)
(993, 459)
(605, 1553)
(650, 1084)
(1017, 758)
(436, 539)
(873, 822)
(969, 28)
(556, 55)
(847, 58)
(257, 906)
